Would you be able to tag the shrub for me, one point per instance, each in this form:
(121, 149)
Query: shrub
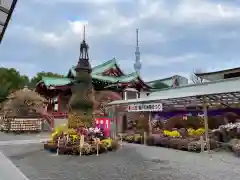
(130, 139)
(107, 143)
(171, 133)
(183, 144)
(150, 140)
(138, 138)
(236, 150)
(198, 132)
(164, 141)
(114, 145)
(194, 146)
(174, 143)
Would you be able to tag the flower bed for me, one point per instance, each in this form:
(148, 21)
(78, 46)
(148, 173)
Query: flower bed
(182, 139)
(67, 141)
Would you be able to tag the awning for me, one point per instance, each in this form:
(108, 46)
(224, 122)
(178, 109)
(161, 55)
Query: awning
(220, 92)
(6, 9)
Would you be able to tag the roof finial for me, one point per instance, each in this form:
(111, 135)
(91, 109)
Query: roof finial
(83, 62)
(84, 33)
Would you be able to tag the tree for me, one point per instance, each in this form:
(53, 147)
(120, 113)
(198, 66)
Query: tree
(38, 77)
(10, 80)
(159, 85)
(195, 79)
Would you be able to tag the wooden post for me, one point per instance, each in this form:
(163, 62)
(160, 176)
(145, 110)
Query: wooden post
(149, 123)
(206, 123)
(97, 147)
(145, 138)
(58, 144)
(121, 141)
(202, 143)
(81, 144)
(80, 150)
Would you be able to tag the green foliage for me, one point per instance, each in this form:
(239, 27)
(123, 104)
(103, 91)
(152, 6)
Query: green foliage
(84, 105)
(81, 102)
(10, 80)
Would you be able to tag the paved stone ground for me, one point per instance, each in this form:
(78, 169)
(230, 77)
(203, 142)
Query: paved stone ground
(11, 136)
(125, 164)
(132, 162)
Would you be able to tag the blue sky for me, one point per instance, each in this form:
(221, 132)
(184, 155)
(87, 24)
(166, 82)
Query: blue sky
(176, 36)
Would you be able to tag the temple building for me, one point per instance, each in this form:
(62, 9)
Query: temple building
(105, 77)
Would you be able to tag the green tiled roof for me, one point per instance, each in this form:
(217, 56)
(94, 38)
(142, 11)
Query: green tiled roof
(96, 74)
(103, 67)
(52, 81)
(126, 78)
(100, 68)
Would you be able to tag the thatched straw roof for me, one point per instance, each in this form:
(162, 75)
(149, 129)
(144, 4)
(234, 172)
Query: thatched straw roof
(23, 102)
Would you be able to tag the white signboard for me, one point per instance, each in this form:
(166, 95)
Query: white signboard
(145, 107)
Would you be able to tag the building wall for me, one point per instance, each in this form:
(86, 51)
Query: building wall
(131, 95)
(144, 94)
(182, 80)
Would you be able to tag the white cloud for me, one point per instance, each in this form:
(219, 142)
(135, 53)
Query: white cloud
(112, 22)
(94, 2)
(161, 61)
(190, 11)
(174, 37)
(77, 26)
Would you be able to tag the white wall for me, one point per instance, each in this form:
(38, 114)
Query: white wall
(144, 94)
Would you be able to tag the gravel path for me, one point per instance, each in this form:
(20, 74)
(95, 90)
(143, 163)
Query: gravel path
(132, 162)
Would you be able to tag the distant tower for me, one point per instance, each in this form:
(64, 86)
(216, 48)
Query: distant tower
(137, 64)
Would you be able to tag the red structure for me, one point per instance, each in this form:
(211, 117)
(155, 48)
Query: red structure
(108, 80)
(104, 123)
